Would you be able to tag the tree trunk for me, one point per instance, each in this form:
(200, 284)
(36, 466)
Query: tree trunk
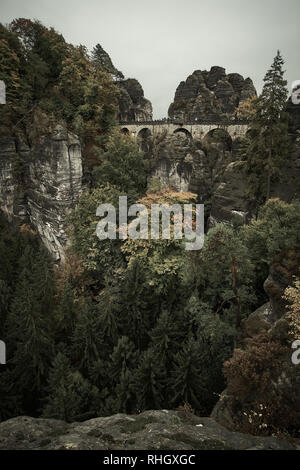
(268, 184)
(269, 170)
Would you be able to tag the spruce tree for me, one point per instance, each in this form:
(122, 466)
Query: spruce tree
(124, 356)
(70, 396)
(102, 60)
(147, 384)
(29, 335)
(5, 294)
(268, 143)
(186, 382)
(138, 312)
(110, 308)
(161, 336)
(11, 398)
(125, 397)
(122, 366)
(65, 314)
(87, 340)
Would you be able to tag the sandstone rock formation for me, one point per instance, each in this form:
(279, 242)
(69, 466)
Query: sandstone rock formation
(294, 112)
(176, 163)
(198, 166)
(151, 430)
(210, 96)
(229, 198)
(43, 191)
(133, 106)
(187, 164)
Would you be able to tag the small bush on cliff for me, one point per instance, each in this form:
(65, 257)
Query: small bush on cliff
(292, 296)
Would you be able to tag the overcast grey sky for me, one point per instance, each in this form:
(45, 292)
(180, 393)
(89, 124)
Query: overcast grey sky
(161, 42)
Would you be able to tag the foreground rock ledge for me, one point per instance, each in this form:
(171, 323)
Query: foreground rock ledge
(151, 430)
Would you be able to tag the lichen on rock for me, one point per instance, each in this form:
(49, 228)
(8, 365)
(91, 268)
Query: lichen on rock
(150, 430)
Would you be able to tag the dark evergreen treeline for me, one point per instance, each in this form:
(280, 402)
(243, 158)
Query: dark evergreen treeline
(152, 331)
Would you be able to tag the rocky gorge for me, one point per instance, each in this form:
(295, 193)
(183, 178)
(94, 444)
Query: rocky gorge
(48, 187)
(41, 182)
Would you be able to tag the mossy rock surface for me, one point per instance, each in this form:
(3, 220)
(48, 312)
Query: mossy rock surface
(151, 430)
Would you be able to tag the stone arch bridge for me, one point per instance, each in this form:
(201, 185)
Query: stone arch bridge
(195, 130)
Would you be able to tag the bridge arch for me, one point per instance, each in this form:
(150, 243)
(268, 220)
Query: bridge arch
(250, 133)
(144, 133)
(143, 139)
(125, 131)
(183, 131)
(221, 136)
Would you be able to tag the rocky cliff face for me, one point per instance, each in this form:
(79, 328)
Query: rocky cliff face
(229, 197)
(151, 430)
(294, 112)
(43, 190)
(211, 168)
(188, 165)
(133, 106)
(210, 96)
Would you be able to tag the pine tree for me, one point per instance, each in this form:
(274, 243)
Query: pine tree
(161, 338)
(186, 382)
(65, 314)
(70, 396)
(5, 294)
(268, 144)
(121, 368)
(11, 398)
(87, 340)
(42, 276)
(138, 314)
(125, 397)
(124, 357)
(101, 59)
(147, 384)
(29, 332)
(110, 308)
(215, 342)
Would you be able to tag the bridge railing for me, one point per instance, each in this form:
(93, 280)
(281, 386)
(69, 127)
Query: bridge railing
(235, 122)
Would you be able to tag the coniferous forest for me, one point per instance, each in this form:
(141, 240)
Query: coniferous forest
(123, 326)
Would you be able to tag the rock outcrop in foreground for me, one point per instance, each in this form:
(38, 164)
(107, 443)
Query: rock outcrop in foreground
(210, 95)
(151, 430)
